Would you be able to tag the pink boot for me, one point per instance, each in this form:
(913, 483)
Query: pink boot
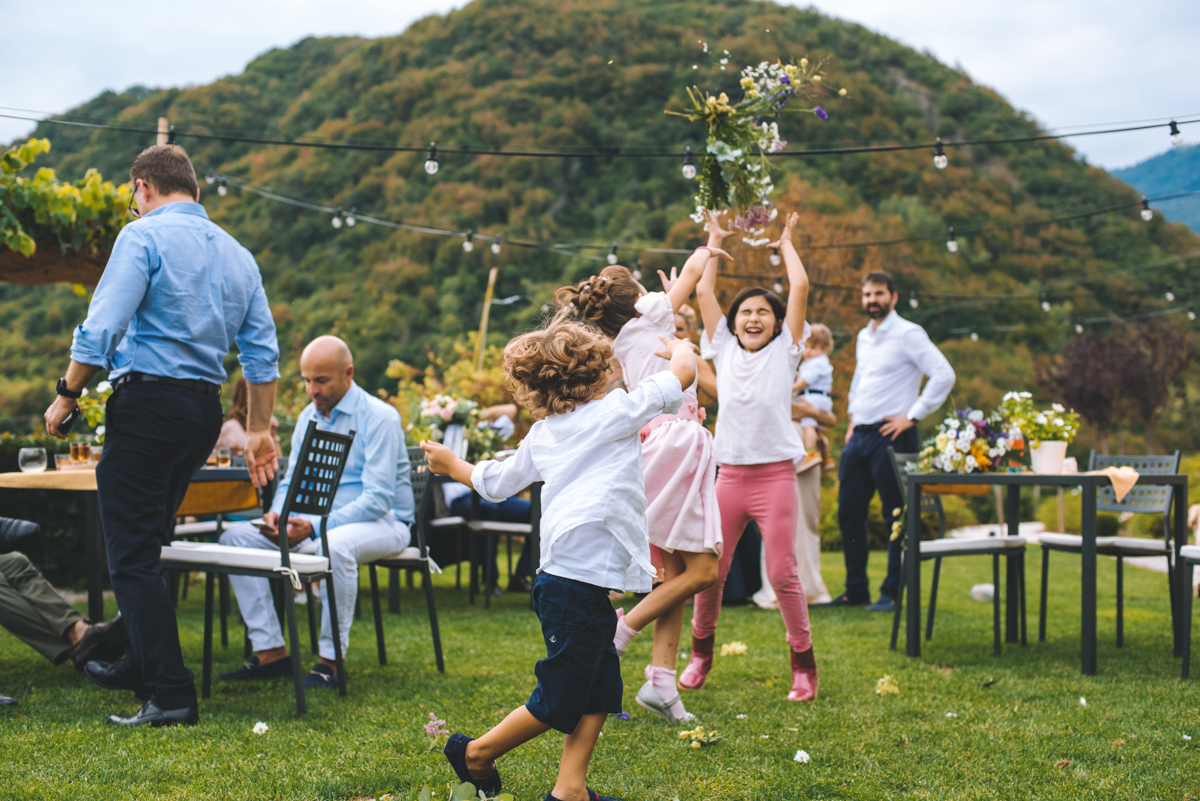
(700, 663)
(804, 676)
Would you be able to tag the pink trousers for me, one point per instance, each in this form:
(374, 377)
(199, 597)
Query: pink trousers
(766, 494)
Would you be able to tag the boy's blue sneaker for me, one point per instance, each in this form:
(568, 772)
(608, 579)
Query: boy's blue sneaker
(456, 755)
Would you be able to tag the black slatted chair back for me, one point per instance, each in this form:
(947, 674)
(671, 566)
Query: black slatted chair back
(1141, 499)
(318, 471)
(419, 473)
(929, 502)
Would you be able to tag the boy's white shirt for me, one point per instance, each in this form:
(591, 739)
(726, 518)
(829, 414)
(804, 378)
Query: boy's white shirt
(591, 462)
(817, 372)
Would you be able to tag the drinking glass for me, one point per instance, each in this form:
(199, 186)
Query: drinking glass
(223, 457)
(75, 452)
(62, 461)
(96, 454)
(32, 460)
(85, 452)
(211, 461)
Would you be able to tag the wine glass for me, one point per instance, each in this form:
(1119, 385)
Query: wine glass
(32, 460)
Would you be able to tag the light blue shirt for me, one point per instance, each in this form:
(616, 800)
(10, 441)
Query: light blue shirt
(176, 292)
(376, 478)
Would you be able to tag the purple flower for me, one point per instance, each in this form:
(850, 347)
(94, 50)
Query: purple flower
(820, 112)
(784, 79)
(622, 716)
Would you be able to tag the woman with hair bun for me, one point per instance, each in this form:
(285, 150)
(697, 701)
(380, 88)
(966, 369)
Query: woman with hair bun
(757, 348)
(677, 461)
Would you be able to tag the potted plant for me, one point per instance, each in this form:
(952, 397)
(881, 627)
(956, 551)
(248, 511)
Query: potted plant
(1049, 433)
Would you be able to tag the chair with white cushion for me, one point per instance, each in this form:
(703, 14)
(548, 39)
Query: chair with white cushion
(1140, 500)
(1189, 557)
(995, 545)
(414, 557)
(314, 484)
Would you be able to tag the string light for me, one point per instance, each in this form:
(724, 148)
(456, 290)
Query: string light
(1045, 303)
(689, 166)
(912, 299)
(431, 162)
(171, 135)
(350, 218)
(222, 188)
(1078, 328)
(1191, 314)
(209, 177)
(469, 242)
(951, 242)
(939, 154)
(1176, 137)
(1147, 214)
(1170, 294)
(336, 222)
(612, 254)
(774, 257)
(778, 287)
(496, 246)
(974, 336)
(637, 271)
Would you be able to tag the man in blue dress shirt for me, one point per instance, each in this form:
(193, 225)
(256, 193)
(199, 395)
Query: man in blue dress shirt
(176, 293)
(371, 514)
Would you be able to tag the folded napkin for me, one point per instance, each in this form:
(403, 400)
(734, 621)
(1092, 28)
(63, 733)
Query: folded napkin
(1123, 479)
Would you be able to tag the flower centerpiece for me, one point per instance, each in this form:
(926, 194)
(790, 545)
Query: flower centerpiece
(734, 171)
(967, 442)
(1047, 432)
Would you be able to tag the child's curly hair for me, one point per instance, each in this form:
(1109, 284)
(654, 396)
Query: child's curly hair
(605, 300)
(556, 368)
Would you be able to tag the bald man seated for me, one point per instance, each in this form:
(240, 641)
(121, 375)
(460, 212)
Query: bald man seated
(371, 515)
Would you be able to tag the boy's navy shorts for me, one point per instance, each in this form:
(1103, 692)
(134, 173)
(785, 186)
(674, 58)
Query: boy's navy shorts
(581, 673)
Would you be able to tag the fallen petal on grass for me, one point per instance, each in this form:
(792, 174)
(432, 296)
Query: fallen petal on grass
(887, 686)
(734, 648)
(1082, 701)
(802, 757)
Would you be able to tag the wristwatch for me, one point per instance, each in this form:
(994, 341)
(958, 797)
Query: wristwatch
(61, 389)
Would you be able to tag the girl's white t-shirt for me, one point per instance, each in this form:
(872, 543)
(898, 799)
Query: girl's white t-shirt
(754, 390)
(638, 341)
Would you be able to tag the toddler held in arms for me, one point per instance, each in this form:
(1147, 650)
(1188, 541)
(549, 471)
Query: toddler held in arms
(586, 448)
(814, 384)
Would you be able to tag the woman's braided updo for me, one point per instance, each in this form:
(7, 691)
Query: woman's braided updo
(606, 300)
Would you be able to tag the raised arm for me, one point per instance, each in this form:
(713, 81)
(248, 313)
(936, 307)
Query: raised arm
(682, 355)
(679, 288)
(706, 289)
(797, 303)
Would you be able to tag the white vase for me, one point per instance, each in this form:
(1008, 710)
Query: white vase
(1048, 457)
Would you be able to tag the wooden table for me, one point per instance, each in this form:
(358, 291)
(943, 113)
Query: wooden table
(85, 481)
(1012, 482)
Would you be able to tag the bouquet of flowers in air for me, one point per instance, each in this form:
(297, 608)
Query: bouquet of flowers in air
(734, 171)
(966, 442)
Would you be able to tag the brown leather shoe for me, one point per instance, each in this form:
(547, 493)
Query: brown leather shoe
(103, 641)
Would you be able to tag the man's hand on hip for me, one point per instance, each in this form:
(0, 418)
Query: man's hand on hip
(849, 432)
(260, 457)
(895, 426)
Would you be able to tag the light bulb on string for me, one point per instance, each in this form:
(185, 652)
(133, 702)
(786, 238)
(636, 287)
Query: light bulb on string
(1045, 303)
(939, 154)
(336, 222)
(469, 242)
(951, 242)
(1078, 328)
(1191, 314)
(689, 166)
(431, 162)
(1176, 136)
(351, 220)
(778, 287)
(912, 300)
(612, 254)
(637, 273)
(209, 177)
(1147, 213)
(774, 258)
(171, 135)
(1170, 294)
(974, 336)
(496, 246)
(223, 188)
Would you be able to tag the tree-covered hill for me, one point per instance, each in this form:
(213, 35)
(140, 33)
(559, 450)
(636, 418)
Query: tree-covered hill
(1167, 173)
(539, 74)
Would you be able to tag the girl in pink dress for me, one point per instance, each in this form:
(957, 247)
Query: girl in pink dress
(677, 460)
(756, 348)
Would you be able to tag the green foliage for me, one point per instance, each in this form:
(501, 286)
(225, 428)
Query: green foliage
(1107, 523)
(85, 215)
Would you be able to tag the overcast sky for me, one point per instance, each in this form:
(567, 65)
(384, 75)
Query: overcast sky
(1068, 62)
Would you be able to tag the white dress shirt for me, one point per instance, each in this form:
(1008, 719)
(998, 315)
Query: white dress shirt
(891, 360)
(594, 499)
(754, 424)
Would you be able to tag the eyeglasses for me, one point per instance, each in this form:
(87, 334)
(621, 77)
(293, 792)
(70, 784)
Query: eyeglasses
(133, 209)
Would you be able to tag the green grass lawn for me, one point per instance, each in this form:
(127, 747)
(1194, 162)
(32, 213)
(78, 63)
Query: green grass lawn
(1018, 728)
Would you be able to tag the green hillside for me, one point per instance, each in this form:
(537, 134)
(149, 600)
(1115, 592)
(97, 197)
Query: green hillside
(1168, 173)
(536, 74)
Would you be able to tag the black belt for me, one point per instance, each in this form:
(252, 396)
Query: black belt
(815, 392)
(867, 428)
(191, 384)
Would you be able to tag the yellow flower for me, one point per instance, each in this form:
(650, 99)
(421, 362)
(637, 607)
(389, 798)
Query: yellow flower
(887, 686)
(804, 62)
(733, 648)
(842, 91)
(816, 79)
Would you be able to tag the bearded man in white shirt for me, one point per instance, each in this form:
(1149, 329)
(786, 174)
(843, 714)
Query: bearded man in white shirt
(892, 356)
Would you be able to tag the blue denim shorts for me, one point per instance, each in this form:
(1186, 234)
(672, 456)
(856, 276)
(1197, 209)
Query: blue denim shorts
(581, 674)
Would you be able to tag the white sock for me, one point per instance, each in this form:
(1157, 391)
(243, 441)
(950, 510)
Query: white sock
(663, 682)
(624, 634)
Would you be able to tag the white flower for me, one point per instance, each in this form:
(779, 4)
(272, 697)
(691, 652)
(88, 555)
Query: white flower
(103, 386)
(1040, 419)
(1058, 421)
(952, 424)
(1082, 701)
(741, 717)
(100, 431)
(261, 728)
(975, 415)
(1187, 736)
(1058, 407)
(951, 715)
(764, 736)
(802, 757)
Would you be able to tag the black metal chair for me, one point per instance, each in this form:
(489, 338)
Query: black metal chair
(315, 479)
(942, 547)
(411, 558)
(1140, 500)
(1189, 557)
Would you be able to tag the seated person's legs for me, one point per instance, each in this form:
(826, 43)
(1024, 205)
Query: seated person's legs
(510, 510)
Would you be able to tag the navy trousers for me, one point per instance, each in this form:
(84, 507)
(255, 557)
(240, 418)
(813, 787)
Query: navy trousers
(865, 468)
(156, 438)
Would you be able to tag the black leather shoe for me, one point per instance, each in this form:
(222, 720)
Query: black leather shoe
(116, 676)
(884, 604)
(519, 584)
(253, 670)
(150, 715)
(845, 600)
(6, 701)
(15, 533)
(101, 641)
